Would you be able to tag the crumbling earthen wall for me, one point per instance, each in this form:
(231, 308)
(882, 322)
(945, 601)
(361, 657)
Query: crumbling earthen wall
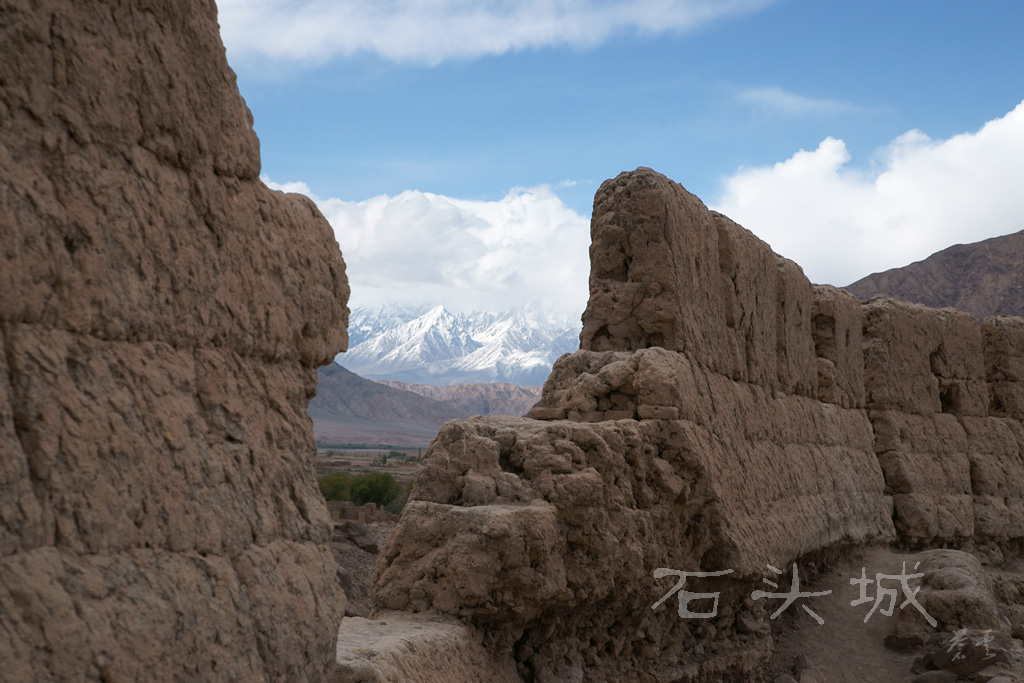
(940, 392)
(722, 414)
(745, 349)
(950, 448)
(162, 314)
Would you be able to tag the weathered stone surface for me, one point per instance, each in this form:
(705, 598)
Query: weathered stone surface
(921, 360)
(356, 533)
(955, 591)
(928, 473)
(580, 515)
(161, 317)
(712, 290)
(1003, 342)
(970, 652)
(836, 324)
(928, 376)
(996, 455)
(399, 647)
(579, 471)
(796, 356)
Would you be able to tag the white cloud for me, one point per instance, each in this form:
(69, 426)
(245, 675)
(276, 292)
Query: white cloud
(779, 101)
(418, 247)
(431, 31)
(840, 224)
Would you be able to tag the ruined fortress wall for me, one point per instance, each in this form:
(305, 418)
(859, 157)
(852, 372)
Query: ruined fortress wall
(713, 291)
(941, 393)
(162, 314)
(687, 433)
(950, 450)
(722, 414)
(744, 348)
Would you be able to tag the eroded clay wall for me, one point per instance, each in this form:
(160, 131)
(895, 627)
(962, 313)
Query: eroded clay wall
(768, 366)
(712, 421)
(950, 449)
(723, 413)
(941, 393)
(162, 314)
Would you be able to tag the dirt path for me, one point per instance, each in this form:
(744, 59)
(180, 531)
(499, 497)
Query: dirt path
(844, 648)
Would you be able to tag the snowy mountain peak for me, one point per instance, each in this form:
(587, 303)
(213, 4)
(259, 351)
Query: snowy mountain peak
(436, 346)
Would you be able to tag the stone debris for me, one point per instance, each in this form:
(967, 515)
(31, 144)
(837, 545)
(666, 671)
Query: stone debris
(401, 647)
(972, 638)
(357, 534)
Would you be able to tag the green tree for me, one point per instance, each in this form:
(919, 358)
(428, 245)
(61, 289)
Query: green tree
(375, 487)
(396, 505)
(335, 486)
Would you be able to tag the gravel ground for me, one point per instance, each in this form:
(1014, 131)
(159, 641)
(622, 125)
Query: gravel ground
(358, 568)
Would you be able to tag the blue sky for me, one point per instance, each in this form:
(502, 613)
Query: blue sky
(456, 146)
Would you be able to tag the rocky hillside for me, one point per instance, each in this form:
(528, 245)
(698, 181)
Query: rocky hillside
(497, 398)
(162, 315)
(348, 409)
(984, 278)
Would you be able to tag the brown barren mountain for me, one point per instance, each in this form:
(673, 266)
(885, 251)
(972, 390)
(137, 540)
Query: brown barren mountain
(498, 398)
(349, 409)
(983, 278)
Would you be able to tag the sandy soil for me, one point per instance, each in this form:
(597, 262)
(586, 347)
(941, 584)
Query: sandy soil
(848, 649)
(844, 648)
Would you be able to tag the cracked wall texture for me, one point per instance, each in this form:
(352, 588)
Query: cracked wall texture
(162, 315)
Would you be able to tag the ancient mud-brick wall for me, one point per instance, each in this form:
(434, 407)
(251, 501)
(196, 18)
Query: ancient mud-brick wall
(714, 420)
(714, 329)
(942, 398)
(941, 393)
(723, 413)
(162, 314)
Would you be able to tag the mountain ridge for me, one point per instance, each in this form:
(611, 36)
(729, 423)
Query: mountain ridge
(495, 398)
(350, 409)
(439, 347)
(981, 278)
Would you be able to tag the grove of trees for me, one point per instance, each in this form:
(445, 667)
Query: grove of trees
(369, 487)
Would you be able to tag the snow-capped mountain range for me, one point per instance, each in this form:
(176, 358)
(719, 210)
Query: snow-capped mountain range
(439, 347)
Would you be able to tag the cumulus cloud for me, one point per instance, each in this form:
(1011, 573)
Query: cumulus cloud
(779, 101)
(431, 31)
(417, 247)
(920, 196)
